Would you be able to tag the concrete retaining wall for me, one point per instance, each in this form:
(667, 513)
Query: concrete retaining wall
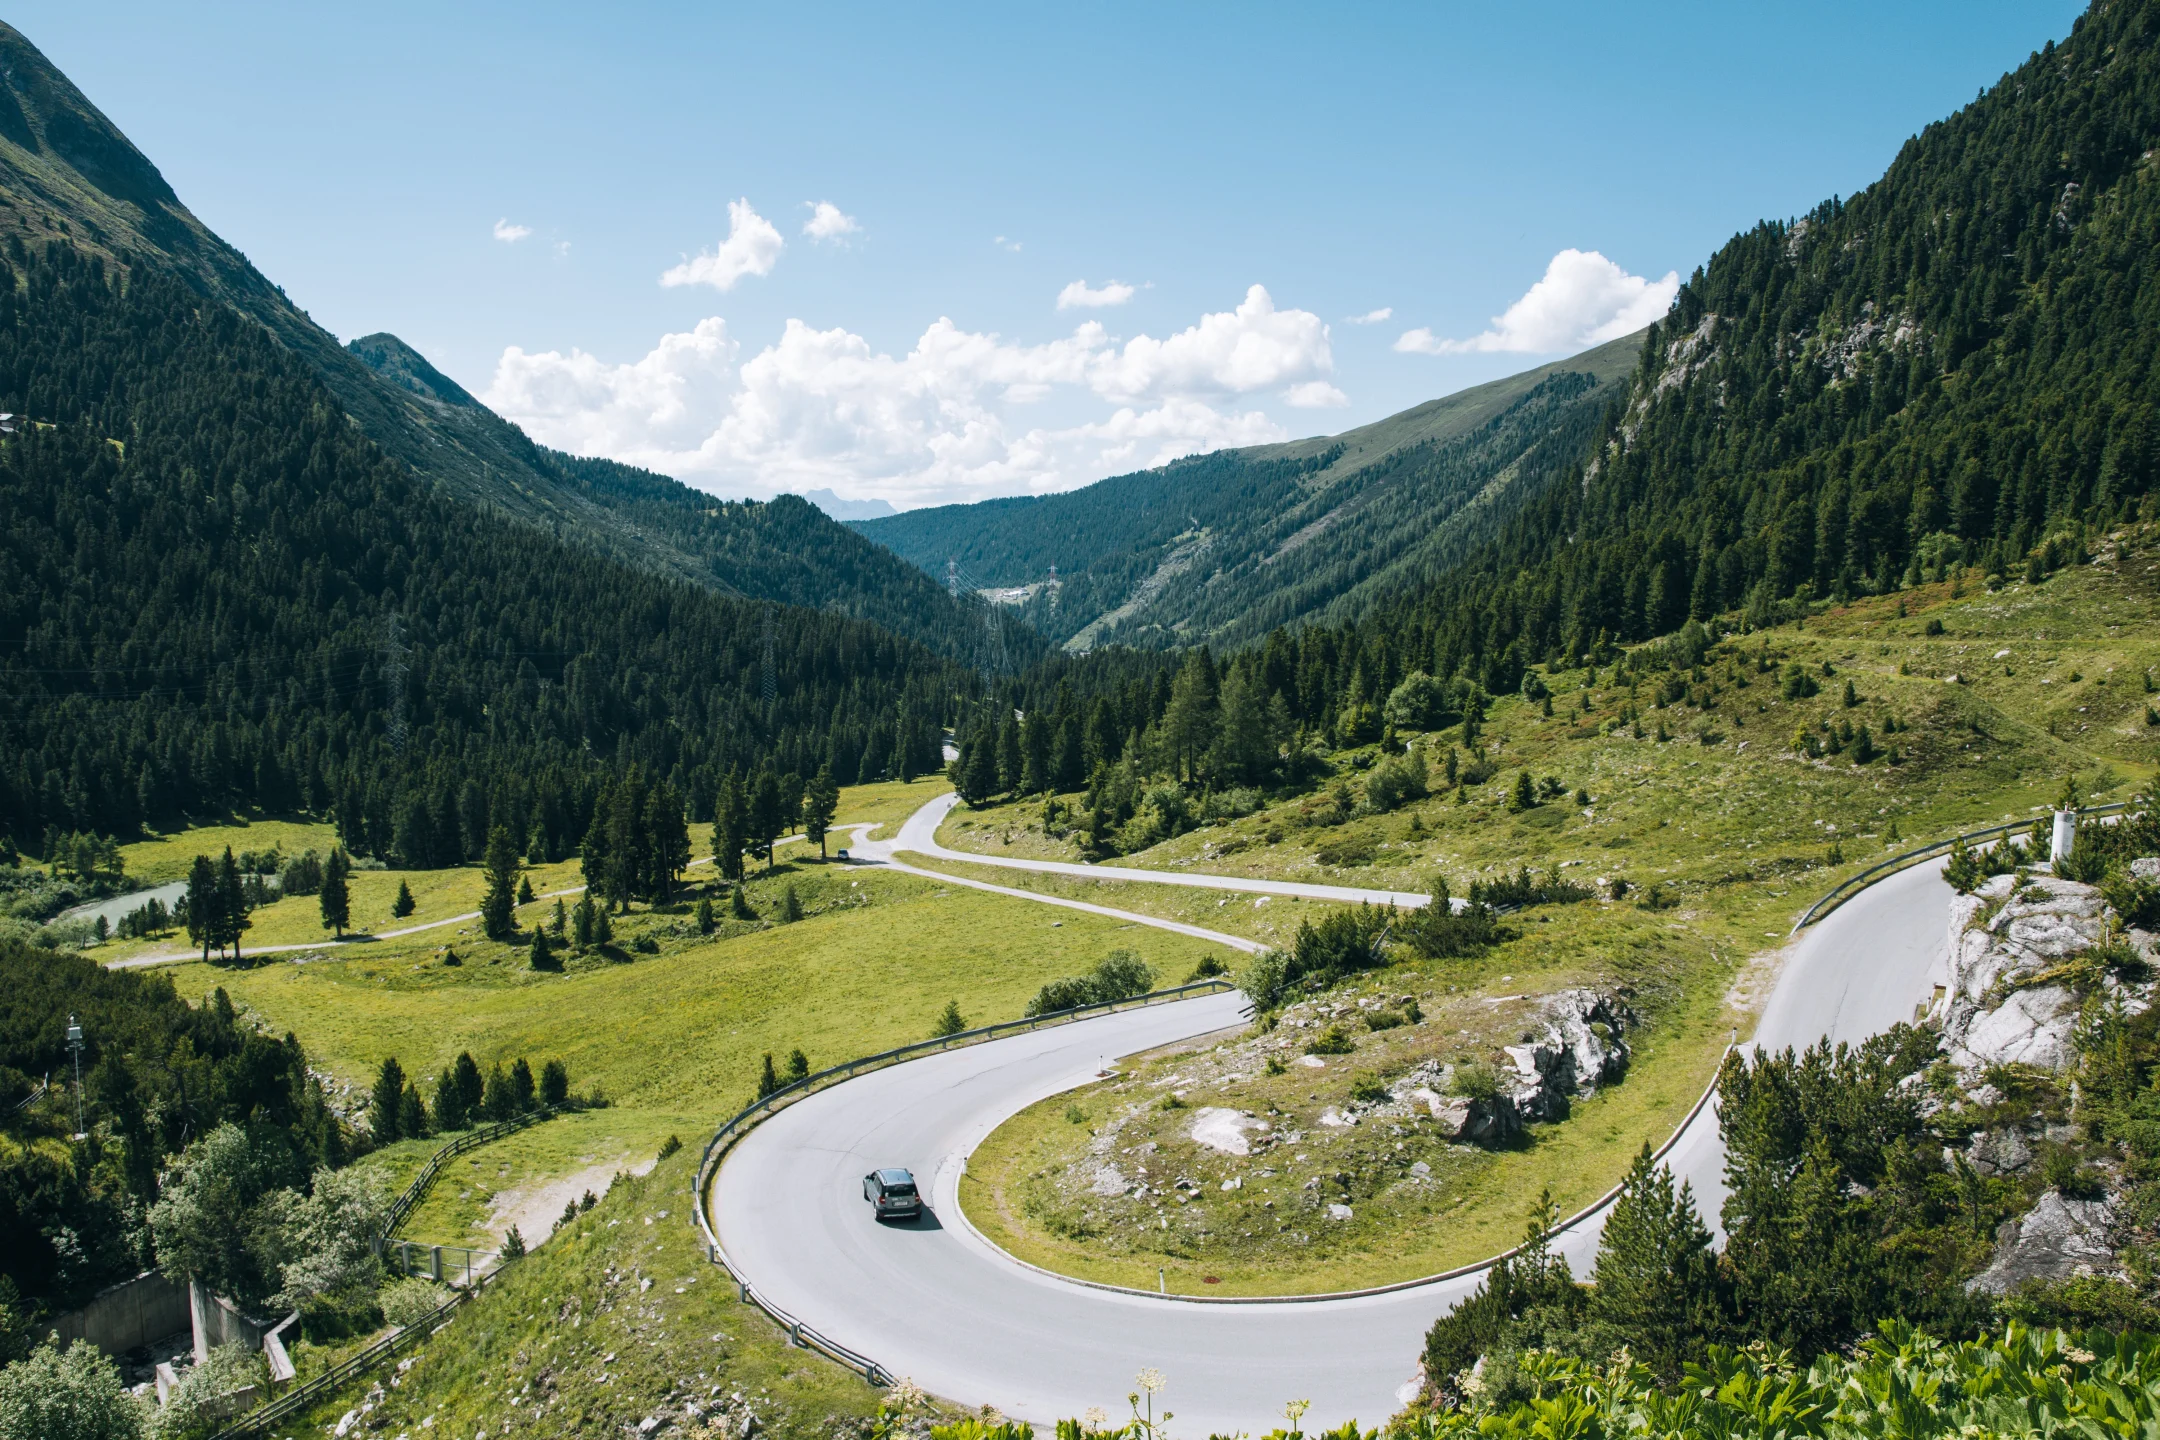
(134, 1312)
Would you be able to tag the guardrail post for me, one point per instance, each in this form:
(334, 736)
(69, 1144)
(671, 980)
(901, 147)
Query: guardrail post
(742, 1291)
(794, 1334)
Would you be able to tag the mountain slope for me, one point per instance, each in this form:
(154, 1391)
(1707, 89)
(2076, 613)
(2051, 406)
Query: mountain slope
(1223, 547)
(1958, 366)
(67, 174)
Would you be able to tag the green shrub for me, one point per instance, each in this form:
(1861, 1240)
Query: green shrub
(412, 1300)
(1332, 1041)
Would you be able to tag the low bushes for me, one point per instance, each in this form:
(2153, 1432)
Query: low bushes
(1120, 976)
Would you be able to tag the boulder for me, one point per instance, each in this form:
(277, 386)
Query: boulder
(1582, 1048)
(2055, 1240)
(1999, 1152)
(1988, 1017)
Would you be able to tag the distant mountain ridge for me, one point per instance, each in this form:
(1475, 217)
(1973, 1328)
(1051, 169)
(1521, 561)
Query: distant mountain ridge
(67, 174)
(1221, 548)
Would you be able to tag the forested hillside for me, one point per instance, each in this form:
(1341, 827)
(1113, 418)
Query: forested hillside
(215, 591)
(784, 549)
(1955, 365)
(66, 173)
(1221, 548)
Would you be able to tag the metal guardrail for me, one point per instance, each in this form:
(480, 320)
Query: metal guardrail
(1846, 889)
(765, 1106)
(260, 1420)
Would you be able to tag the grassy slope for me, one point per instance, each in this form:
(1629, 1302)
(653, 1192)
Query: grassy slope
(572, 1342)
(1740, 838)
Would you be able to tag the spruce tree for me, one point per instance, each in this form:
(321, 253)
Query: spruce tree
(335, 897)
(821, 801)
(739, 905)
(541, 957)
(231, 905)
(949, 1021)
(449, 1104)
(731, 827)
(768, 1078)
(471, 1089)
(706, 924)
(582, 918)
(790, 906)
(201, 903)
(412, 1114)
(767, 816)
(522, 1089)
(498, 906)
(500, 1102)
(560, 924)
(594, 861)
(798, 1066)
(1656, 1280)
(403, 905)
(554, 1083)
(667, 830)
(386, 1101)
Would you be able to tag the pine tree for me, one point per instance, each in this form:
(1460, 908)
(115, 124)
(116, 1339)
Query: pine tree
(790, 906)
(386, 1102)
(1656, 1280)
(582, 922)
(231, 906)
(767, 815)
(449, 1104)
(668, 831)
(522, 1089)
(731, 827)
(739, 905)
(471, 1089)
(542, 957)
(403, 905)
(706, 924)
(560, 924)
(949, 1021)
(595, 862)
(335, 897)
(798, 1066)
(525, 890)
(412, 1114)
(201, 902)
(498, 906)
(603, 928)
(821, 801)
(554, 1083)
(768, 1078)
(500, 1102)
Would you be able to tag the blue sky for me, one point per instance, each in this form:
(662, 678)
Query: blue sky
(510, 187)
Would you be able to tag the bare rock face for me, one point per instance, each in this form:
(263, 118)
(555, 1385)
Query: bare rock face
(1989, 1014)
(2057, 1239)
(1582, 1047)
(2003, 1151)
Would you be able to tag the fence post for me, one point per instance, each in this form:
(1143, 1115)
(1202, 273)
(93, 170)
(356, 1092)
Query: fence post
(435, 1263)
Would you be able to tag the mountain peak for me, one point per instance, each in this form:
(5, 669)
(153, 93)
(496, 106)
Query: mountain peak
(406, 368)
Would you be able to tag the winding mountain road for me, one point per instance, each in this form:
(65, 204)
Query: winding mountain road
(918, 834)
(937, 1303)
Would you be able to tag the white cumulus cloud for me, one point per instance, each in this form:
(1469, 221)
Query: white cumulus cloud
(1077, 296)
(1583, 299)
(1004, 244)
(947, 420)
(829, 222)
(752, 247)
(1372, 317)
(510, 234)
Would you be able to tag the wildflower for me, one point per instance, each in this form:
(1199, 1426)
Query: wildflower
(2078, 1356)
(1095, 1418)
(1294, 1412)
(1150, 1380)
(904, 1397)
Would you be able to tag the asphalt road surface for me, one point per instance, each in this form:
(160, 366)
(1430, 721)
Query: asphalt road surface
(936, 1303)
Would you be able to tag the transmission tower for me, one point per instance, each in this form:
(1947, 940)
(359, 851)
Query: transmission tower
(394, 668)
(952, 578)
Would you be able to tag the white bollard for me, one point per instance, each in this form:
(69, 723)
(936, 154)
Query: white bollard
(2065, 836)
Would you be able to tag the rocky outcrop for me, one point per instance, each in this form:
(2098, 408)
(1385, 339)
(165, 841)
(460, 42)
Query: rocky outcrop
(2006, 939)
(1582, 1047)
(2057, 1239)
(1577, 1044)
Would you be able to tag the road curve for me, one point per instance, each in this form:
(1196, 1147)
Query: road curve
(919, 835)
(937, 1303)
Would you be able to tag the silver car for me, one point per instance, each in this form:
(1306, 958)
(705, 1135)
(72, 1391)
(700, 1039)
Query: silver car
(892, 1194)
